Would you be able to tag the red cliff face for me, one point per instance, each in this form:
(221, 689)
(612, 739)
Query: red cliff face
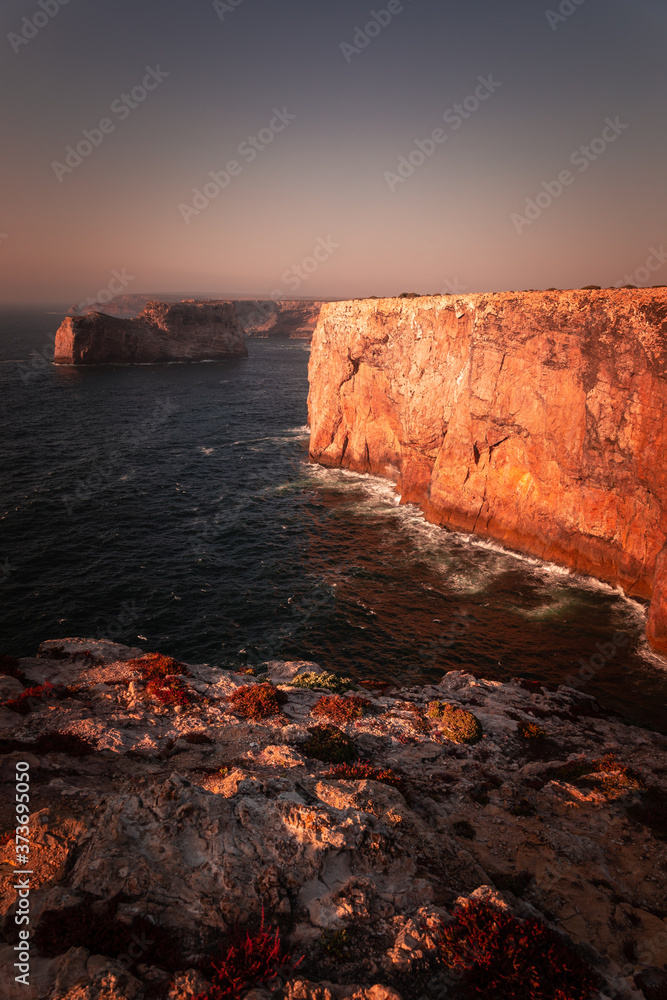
(538, 419)
(164, 331)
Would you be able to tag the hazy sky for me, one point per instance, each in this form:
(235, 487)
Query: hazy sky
(332, 111)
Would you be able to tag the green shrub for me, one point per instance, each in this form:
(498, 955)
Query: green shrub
(326, 681)
(457, 724)
(329, 744)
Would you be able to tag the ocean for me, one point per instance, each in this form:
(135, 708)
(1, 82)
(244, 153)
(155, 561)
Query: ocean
(173, 507)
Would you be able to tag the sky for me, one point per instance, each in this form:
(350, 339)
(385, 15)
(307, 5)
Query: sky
(330, 150)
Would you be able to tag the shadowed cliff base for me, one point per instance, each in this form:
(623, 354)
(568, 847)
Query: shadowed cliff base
(537, 419)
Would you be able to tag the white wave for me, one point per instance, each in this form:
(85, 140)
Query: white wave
(438, 547)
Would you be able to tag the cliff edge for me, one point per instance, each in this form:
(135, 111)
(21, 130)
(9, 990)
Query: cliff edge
(164, 331)
(538, 419)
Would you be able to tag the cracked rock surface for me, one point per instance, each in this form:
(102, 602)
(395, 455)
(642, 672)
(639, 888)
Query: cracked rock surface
(158, 829)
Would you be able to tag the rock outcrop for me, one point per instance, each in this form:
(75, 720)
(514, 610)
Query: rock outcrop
(159, 823)
(294, 318)
(279, 317)
(181, 331)
(538, 419)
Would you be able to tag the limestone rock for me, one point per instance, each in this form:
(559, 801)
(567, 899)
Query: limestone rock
(180, 331)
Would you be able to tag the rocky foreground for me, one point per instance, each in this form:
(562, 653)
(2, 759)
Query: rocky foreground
(164, 331)
(538, 419)
(387, 833)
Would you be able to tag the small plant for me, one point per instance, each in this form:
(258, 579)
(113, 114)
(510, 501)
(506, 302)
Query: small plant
(169, 691)
(496, 955)
(335, 944)
(7, 838)
(39, 692)
(530, 731)
(326, 681)
(157, 666)
(456, 724)
(341, 709)
(251, 960)
(576, 770)
(366, 772)
(257, 701)
(329, 744)
(462, 828)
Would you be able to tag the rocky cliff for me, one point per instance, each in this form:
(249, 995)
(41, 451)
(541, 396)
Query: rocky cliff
(181, 331)
(279, 318)
(538, 419)
(294, 318)
(171, 803)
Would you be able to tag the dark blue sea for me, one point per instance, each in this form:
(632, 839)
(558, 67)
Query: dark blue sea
(173, 507)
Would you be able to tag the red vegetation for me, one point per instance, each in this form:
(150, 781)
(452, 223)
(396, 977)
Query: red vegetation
(496, 955)
(251, 960)
(162, 674)
(257, 701)
(341, 709)
(21, 705)
(169, 691)
(156, 666)
(366, 772)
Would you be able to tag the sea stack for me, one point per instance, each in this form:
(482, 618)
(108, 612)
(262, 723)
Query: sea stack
(538, 419)
(164, 331)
